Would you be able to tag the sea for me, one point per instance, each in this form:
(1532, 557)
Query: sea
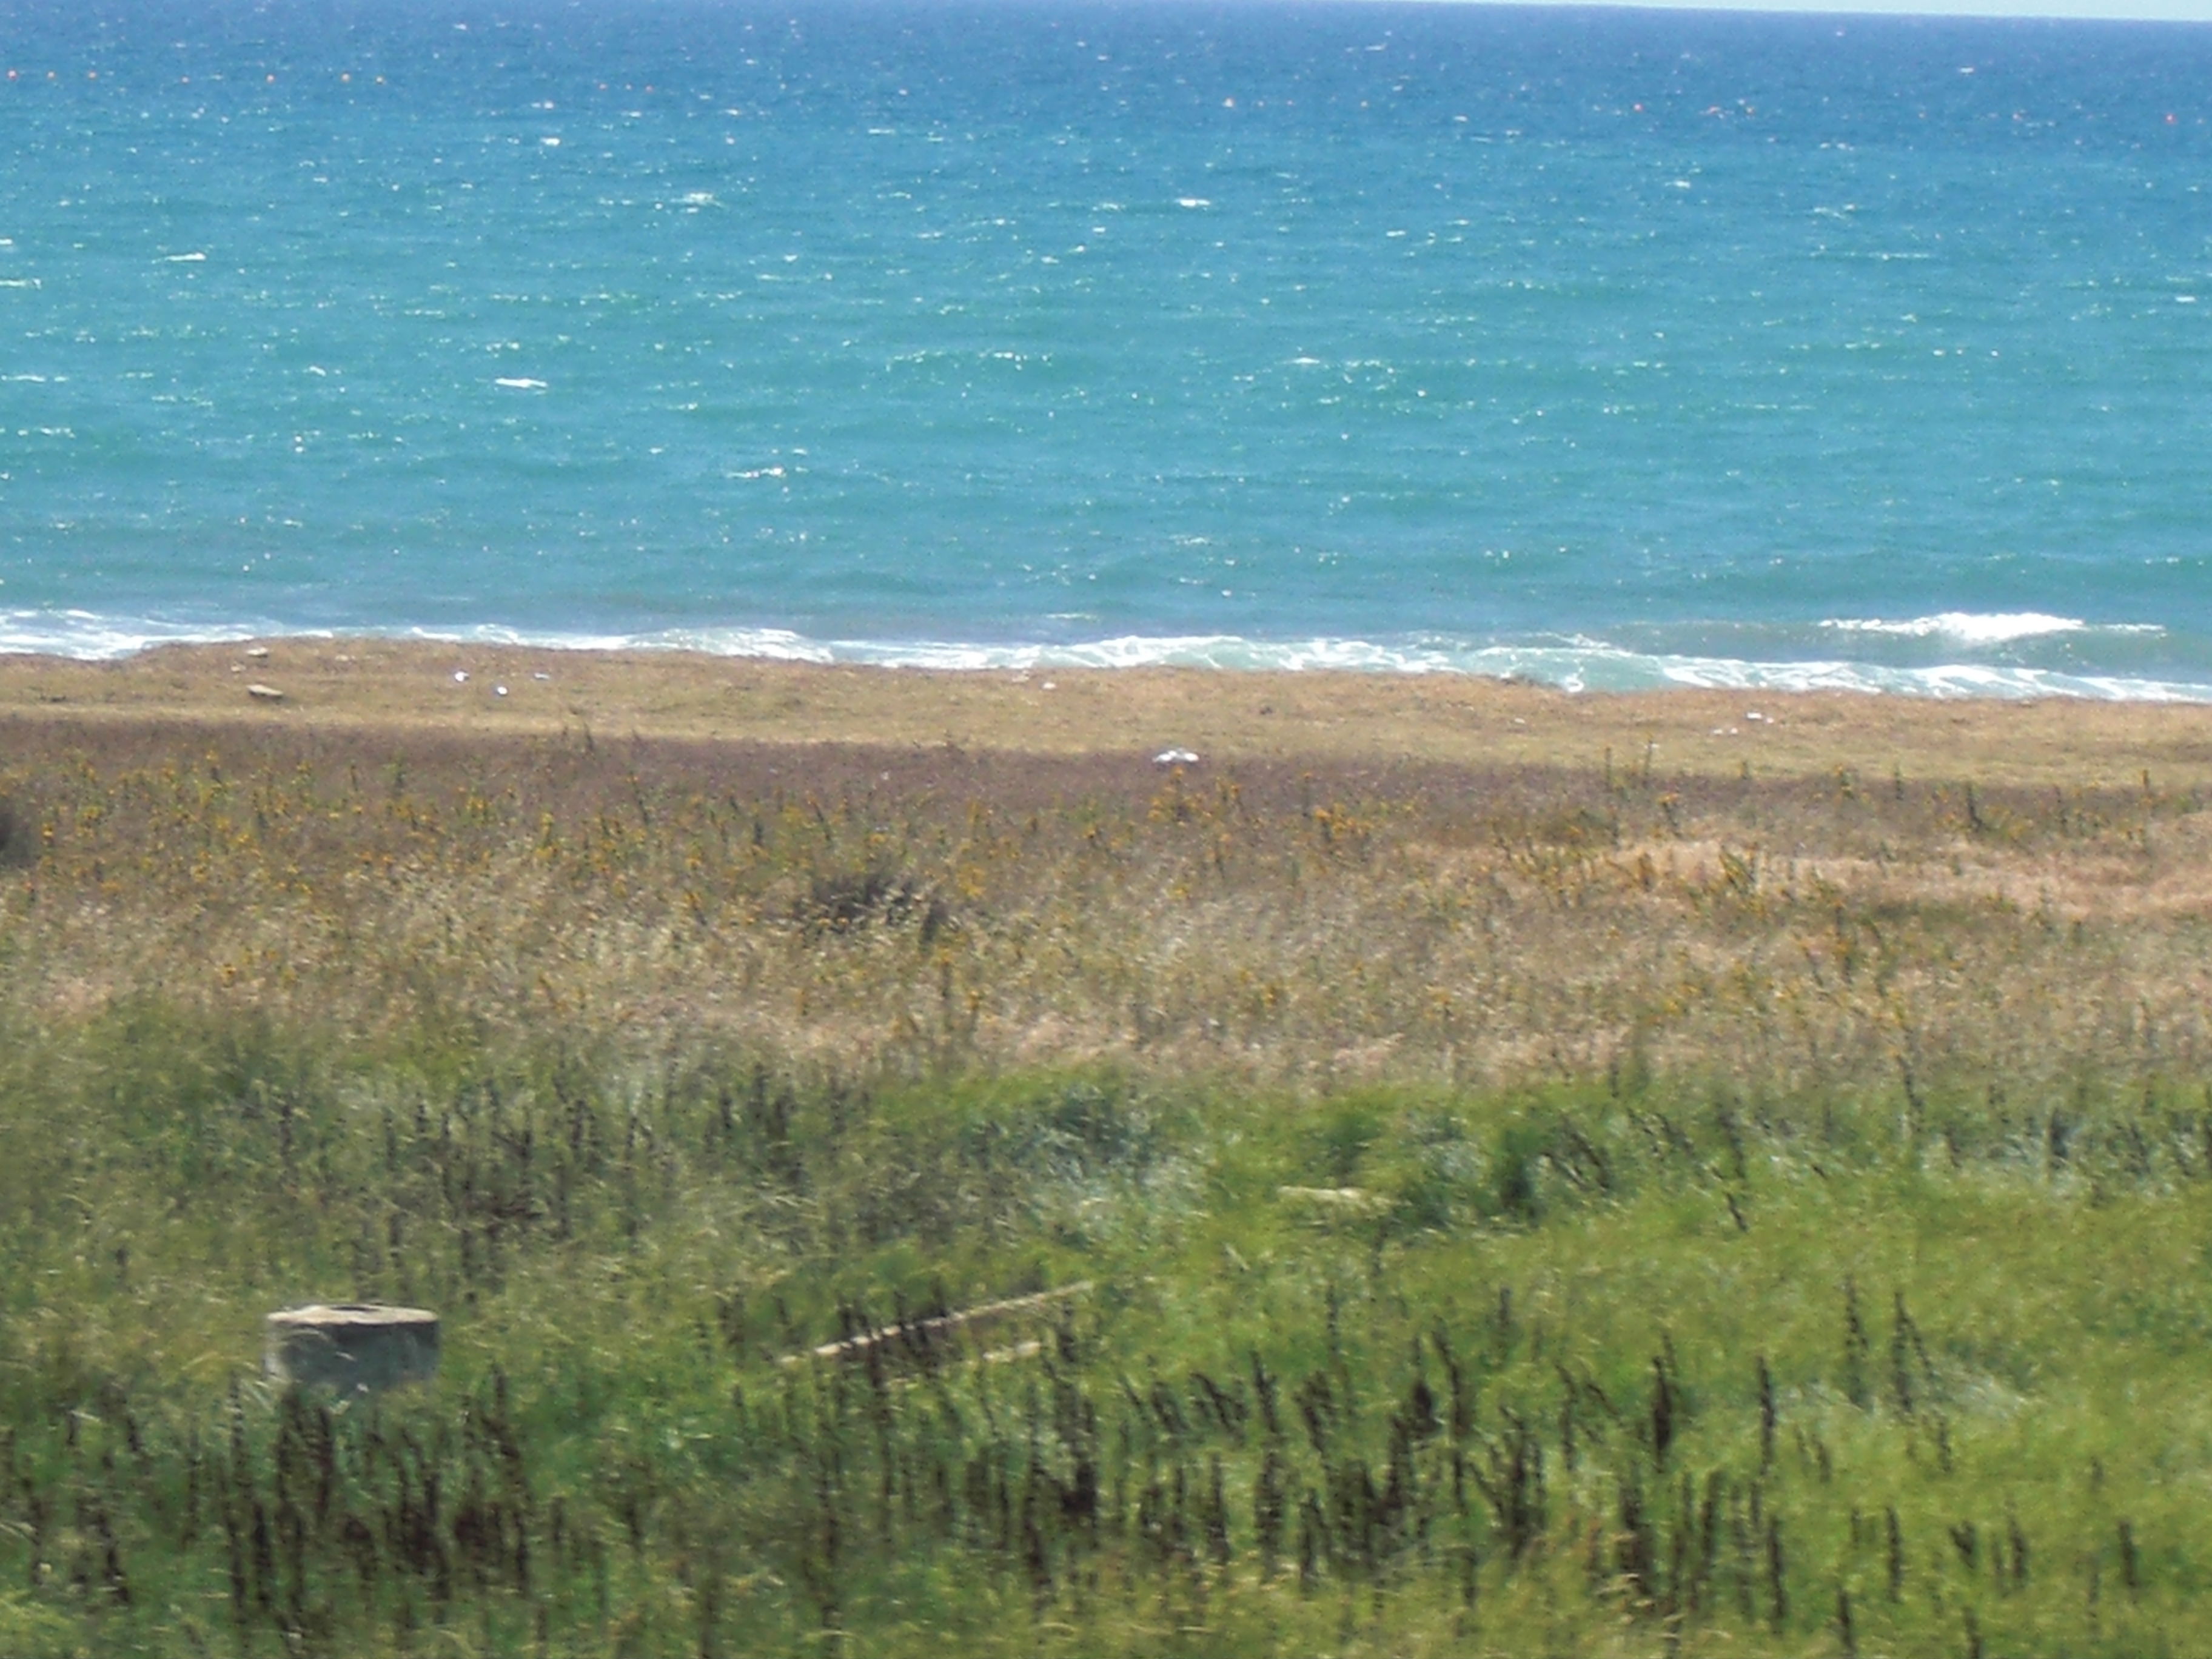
(1609, 348)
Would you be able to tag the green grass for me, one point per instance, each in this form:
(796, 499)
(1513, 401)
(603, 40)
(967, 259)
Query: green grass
(1653, 1365)
(1525, 1211)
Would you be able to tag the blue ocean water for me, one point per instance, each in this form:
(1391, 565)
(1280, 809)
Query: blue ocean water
(1614, 348)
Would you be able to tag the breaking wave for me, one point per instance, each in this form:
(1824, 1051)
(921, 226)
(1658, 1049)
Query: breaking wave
(1572, 663)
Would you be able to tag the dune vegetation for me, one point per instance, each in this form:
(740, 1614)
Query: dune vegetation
(1414, 1206)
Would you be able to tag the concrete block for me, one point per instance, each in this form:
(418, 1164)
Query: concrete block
(352, 1346)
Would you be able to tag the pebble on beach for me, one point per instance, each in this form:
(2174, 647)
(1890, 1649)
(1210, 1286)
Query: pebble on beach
(265, 693)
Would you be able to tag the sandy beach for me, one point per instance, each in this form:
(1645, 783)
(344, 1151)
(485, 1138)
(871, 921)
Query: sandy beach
(336, 685)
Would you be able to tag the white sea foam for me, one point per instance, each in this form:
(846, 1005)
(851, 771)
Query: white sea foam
(1970, 629)
(90, 637)
(778, 643)
(1573, 663)
(521, 383)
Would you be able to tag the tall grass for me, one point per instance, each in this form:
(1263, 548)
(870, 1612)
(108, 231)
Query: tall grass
(1392, 1371)
(1523, 1213)
(911, 910)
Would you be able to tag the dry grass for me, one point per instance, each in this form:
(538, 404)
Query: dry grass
(1316, 921)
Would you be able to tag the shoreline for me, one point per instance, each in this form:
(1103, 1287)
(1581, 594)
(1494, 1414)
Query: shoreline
(1323, 715)
(1575, 664)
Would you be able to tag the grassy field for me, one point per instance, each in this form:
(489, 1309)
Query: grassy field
(1503, 1207)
